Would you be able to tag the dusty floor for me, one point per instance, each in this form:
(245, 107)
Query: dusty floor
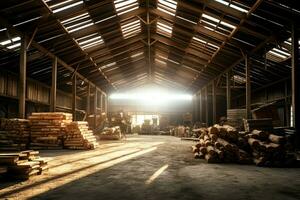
(150, 167)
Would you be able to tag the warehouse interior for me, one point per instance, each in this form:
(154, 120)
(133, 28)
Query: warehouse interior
(149, 99)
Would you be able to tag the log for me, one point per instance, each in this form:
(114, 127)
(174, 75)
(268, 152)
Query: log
(213, 130)
(262, 135)
(203, 150)
(211, 158)
(277, 139)
(195, 149)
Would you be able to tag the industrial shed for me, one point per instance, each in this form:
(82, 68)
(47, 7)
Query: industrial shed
(161, 99)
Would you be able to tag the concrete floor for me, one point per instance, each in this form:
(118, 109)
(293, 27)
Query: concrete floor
(150, 167)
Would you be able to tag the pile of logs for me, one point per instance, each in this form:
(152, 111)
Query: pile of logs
(224, 144)
(112, 133)
(23, 165)
(48, 129)
(78, 136)
(14, 134)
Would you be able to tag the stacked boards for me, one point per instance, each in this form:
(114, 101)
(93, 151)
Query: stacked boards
(235, 117)
(48, 129)
(78, 136)
(23, 165)
(14, 134)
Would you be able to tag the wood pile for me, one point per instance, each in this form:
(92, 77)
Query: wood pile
(48, 129)
(14, 134)
(113, 133)
(264, 124)
(79, 136)
(22, 165)
(224, 144)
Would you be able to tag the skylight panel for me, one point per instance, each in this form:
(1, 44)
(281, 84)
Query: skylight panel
(12, 43)
(125, 6)
(239, 79)
(130, 29)
(214, 24)
(107, 65)
(64, 5)
(89, 41)
(78, 22)
(205, 43)
(160, 61)
(279, 53)
(234, 5)
(164, 28)
(167, 6)
(137, 54)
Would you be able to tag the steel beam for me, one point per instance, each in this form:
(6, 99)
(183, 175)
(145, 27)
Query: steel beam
(248, 87)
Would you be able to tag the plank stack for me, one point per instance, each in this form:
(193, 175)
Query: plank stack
(48, 129)
(14, 134)
(23, 165)
(79, 136)
(224, 144)
(113, 133)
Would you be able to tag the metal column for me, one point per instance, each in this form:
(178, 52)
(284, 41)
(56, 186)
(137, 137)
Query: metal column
(248, 87)
(228, 90)
(22, 78)
(214, 102)
(95, 108)
(74, 87)
(53, 86)
(295, 83)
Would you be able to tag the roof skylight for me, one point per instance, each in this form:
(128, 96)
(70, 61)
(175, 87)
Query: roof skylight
(78, 22)
(90, 41)
(125, 6)
(63, 5)
(164, 28)
(12, 43)
(239, 79)
(137, 54)
(215, 24)
(203, 45)
(235, 5)
(167, 6)
(107, 65)
(130, 29)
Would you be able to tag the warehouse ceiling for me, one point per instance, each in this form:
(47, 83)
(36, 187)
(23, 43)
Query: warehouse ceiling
(123, 44)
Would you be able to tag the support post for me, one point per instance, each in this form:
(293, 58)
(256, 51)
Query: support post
(106, 105)
(248, 87)
(214, 102)
(53, 86)
(200, 107)
(22, 78)
(206, 106)
(95, 108)
(228, 90)
(295, 83)
(88, 100)
(74, 84)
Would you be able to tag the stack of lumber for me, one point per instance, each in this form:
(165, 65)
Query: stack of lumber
(14, 134)
(79, 136)
(48, 129)
(113, 133)
(259, 124)
(235, 117)
(224, 144)
(23, 165)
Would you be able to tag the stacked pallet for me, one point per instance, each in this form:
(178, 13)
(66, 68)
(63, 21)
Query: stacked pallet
(112, 133)
(265, 124)
(224, 144)
(23, 165)
(48, 129)
(14, 134)
(79, 136)
(235, 117)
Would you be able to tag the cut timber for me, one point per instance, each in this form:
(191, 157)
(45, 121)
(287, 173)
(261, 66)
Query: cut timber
(277, 139)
